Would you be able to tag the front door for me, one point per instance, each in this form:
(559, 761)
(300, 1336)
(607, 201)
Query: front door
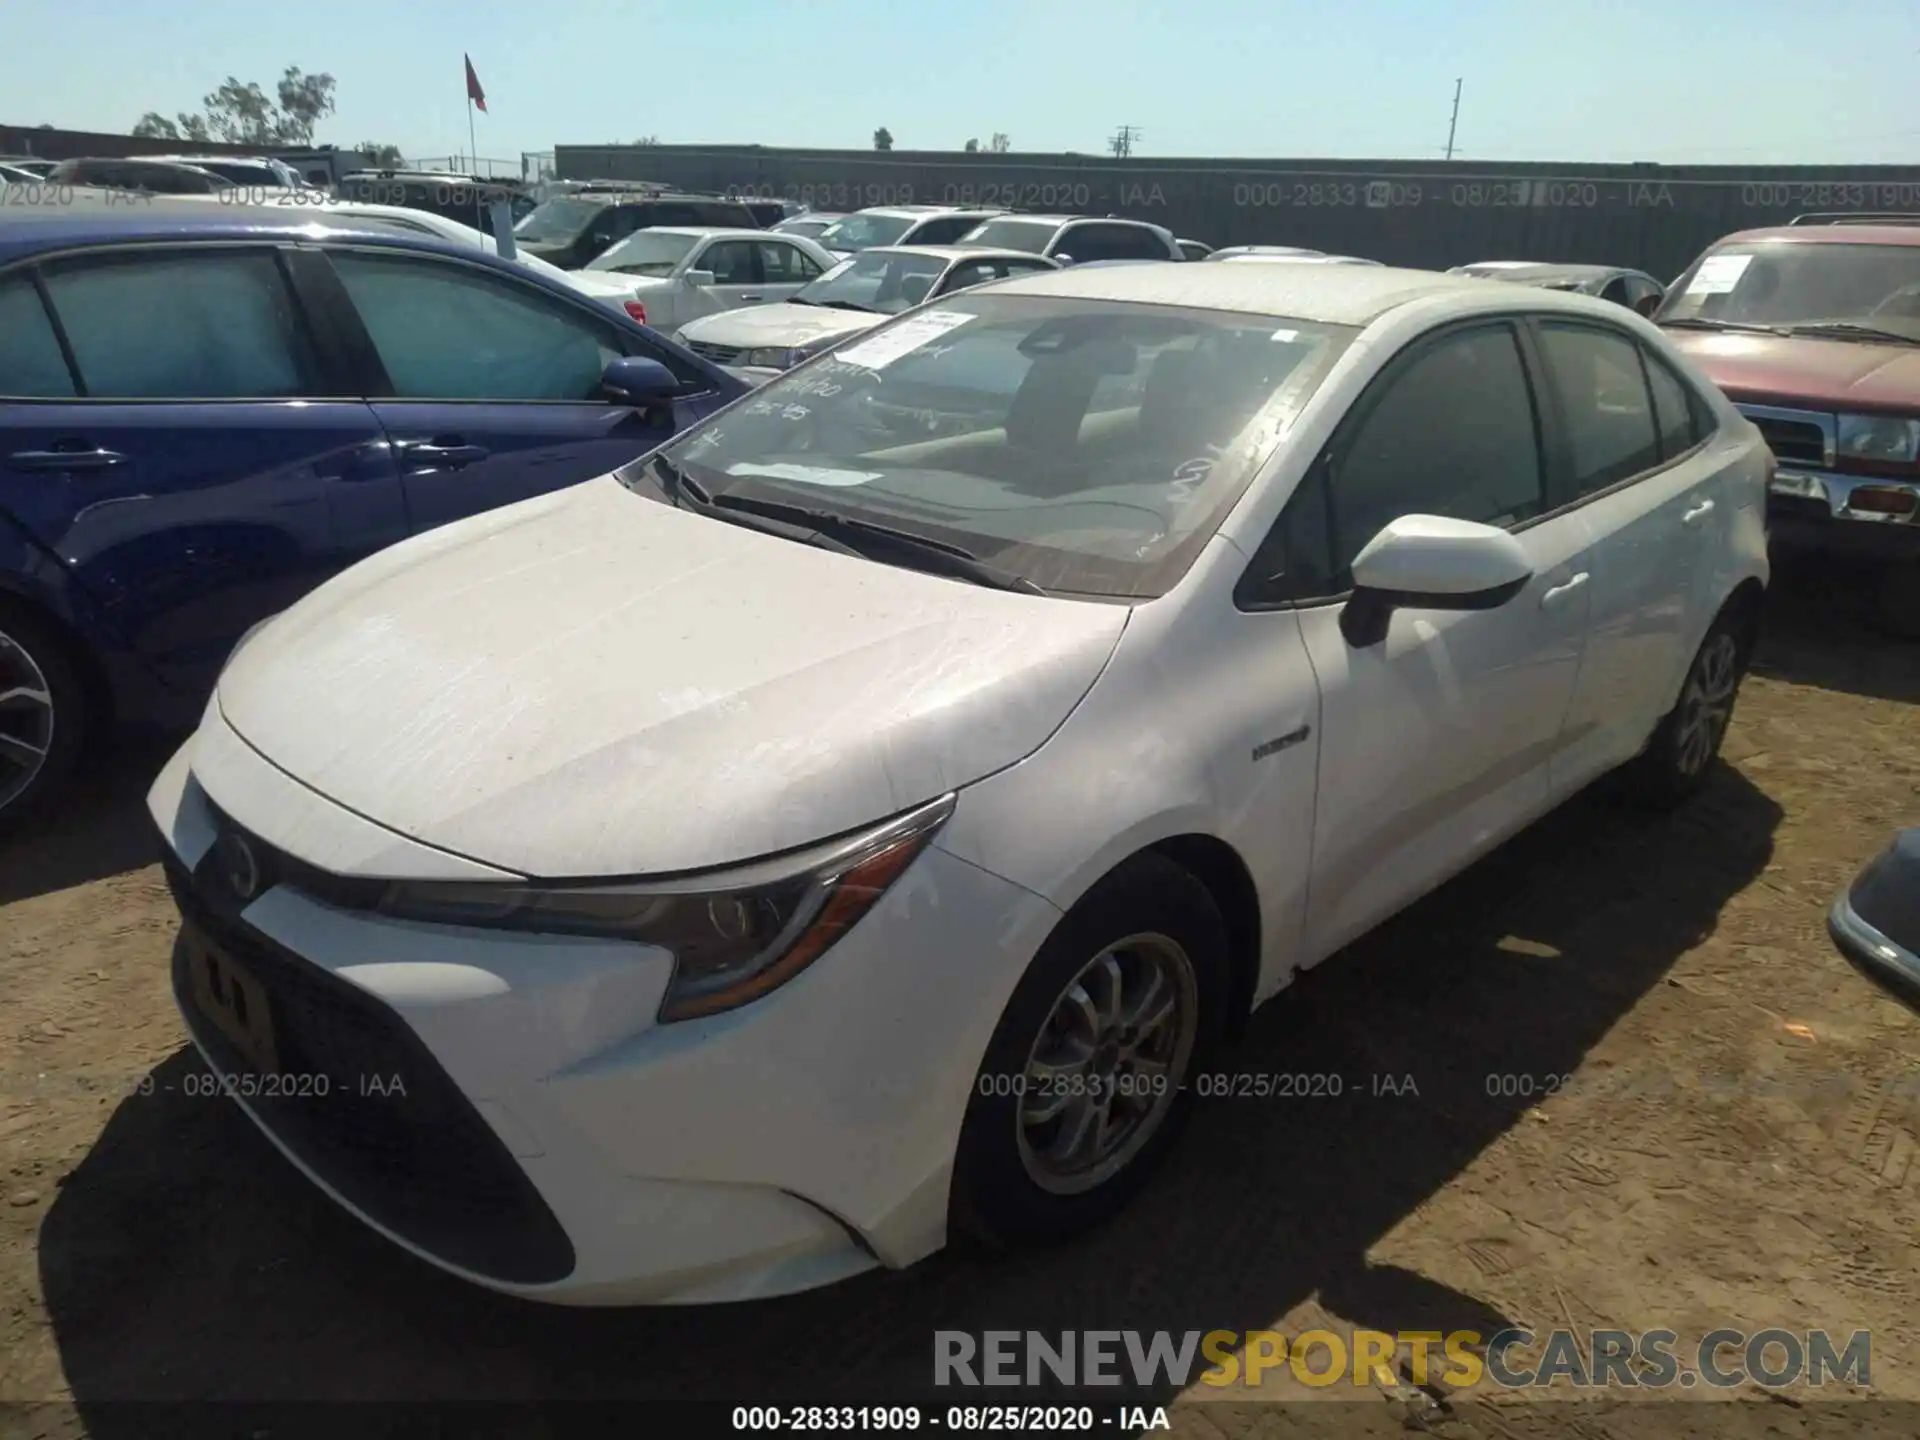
(1436, 741)
(190, 468)
(491, 386)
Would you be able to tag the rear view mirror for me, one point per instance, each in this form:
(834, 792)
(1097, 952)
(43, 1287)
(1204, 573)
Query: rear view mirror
(1431, 562)
(638, 381)
(700, 277)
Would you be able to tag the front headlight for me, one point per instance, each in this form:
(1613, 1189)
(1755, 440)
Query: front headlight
(1879, 437)
(786, 357)
(734, 935)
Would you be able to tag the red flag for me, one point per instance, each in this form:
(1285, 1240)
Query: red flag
(474, 92)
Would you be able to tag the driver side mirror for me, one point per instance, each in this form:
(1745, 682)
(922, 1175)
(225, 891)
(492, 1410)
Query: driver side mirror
(639, 381)
(1062, 259)
(1431, 562)
(702, 278)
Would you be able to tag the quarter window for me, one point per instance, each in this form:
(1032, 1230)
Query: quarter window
(1675, 412)
(219, 325)
(447, 332)
(1603, 395)
(1454, 433)
(31, 365)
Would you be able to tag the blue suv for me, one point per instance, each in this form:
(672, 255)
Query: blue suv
(204, 415)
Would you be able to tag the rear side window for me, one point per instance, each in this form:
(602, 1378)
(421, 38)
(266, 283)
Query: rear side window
(447, 332)
(218, 325)
(1111, 242)
(1603, 394)
(1676, 413)
(31, 365)
(941, 230)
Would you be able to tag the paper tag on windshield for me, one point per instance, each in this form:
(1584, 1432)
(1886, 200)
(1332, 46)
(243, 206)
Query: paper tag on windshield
(1718, 274)
(807, 474)
(901, 338)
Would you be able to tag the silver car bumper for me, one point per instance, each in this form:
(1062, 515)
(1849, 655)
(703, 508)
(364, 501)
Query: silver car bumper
(1866, 946)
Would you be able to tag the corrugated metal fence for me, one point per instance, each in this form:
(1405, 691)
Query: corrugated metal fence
(1412, 212)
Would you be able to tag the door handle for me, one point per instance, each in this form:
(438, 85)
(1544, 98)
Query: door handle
(1697, 513)
(753, 297)
(58, 459)
(1560, 592)
(441, 454)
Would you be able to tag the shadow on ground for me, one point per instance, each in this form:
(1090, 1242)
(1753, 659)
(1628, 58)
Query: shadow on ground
(99, 827)
(1821, 629)
(183, 1258)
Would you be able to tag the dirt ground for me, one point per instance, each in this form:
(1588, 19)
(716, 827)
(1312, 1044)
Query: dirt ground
(1736, 1146)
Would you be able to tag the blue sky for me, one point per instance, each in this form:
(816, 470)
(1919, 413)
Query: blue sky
(1683, 80)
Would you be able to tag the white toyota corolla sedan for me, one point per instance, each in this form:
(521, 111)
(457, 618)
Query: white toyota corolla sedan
(860, 821)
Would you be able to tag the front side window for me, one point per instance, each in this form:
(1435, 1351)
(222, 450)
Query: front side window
(1453, 433)
(1790, 283)
(219, 325)
(731, 261)
(31, 365)
(942, 229)
(1111, 242)
(980, 422)
(650, 253)
(444, 331)
(1603, 396)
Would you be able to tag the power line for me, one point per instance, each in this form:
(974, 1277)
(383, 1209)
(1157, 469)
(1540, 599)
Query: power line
(1453, 123)
(1122, 142)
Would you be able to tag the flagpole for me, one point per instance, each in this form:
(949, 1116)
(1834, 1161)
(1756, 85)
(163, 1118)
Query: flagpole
(473, 146)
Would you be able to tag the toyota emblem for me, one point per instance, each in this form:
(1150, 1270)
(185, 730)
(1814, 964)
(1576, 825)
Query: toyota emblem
(241, 865)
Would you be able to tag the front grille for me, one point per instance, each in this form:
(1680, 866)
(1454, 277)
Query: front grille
(1797, 438)
(719, 354)
(391, 1132)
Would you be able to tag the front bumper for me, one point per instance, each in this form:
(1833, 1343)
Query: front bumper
(549, 1138)
(1868, 947)
(1822, 510)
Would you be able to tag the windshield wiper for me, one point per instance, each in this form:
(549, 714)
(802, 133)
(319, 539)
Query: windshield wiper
(846, 305)
(1851, 330)
(1695, 323)
(865, 535)
(687, 493)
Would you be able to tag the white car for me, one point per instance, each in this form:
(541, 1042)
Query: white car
(680, 273)
(859, 293)
(901, 225)
(862, 818)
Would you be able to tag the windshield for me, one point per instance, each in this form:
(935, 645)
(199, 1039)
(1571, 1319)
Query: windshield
(1785, 282)
(810, 229)
(560, 219)
(885, 282)
(1028, 235)
(858, 232)
(1089, 447)
(645, 252)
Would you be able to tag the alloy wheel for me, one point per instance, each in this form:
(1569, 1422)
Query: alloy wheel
(1706, 705)
(1108, 1064)
(26, 719)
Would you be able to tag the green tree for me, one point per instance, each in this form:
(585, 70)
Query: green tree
(383, 157)
(883, 139)
(243, 114)
(973, 146)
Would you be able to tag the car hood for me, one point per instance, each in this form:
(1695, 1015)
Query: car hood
(755, 326)
(1795, 370)
(592, 683)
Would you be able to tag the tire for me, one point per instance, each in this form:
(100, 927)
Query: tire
(1680, 755)
(34, 663)
(1897, 602)
(1014, 1183)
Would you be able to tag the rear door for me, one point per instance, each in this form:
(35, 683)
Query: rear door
(1636, 468)
(190, 449)
(488, 385)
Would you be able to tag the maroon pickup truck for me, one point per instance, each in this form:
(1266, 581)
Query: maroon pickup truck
(1813, 331)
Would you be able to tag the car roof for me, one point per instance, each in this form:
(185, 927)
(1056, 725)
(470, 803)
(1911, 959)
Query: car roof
(1328, 294)
(730, 232)
(1544, 273)
(1828, 235)
(32, 229)
(951, 253)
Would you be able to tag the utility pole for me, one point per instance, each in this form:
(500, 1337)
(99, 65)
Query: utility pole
(1122, 143)
(1455, 121)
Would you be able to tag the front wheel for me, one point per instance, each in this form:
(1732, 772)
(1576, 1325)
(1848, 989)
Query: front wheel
(1084, 1085)
(1683, 747)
